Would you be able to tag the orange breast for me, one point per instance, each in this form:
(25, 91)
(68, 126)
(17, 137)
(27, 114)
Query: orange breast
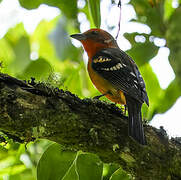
(104, 86)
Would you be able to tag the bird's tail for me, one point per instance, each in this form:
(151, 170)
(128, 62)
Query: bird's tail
(135, 120)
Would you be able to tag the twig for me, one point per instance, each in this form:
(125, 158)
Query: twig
(119, 22)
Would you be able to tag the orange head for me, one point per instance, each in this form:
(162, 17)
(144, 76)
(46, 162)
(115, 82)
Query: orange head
(94, 40)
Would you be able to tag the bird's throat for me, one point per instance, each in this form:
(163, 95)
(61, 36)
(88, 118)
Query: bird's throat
(92, 48)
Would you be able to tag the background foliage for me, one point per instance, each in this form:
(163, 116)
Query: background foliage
(49, 55)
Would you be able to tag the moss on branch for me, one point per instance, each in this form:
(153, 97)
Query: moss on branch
(33, 110)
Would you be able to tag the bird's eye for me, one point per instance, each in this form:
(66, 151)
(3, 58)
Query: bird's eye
(94, 32)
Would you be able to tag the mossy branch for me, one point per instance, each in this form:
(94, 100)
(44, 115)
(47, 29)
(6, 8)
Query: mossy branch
(30, 110)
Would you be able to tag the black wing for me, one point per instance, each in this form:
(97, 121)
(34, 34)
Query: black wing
(118, 68)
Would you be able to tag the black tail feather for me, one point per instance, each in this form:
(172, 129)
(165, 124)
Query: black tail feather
(135, 120)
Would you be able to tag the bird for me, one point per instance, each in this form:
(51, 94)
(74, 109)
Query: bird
(116, 76)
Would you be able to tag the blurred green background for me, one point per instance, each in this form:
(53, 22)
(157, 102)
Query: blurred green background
(35, 42)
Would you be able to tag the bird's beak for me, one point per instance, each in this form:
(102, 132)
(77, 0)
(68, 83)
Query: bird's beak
(79, 37)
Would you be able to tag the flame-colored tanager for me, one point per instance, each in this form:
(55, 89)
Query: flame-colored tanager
(116, 76)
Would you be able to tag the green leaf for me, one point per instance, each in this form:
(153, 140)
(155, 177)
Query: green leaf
(14, 34)
(120, 174)
(170, 96)
(30, 4)
(13, 169)
(174, 42)
(22, 55)
(3, 152)
(109, 169)
(39, 69)
(54, 163)
(20, 151)
(94, 9)
(153, 89)
(86, 10)
(41, 42)
(6, 54)
(152, 16)
(61, 40)
(89, 167)
(168, 9)
(69, 8)
(141, 52)
(71, 173)
(15, 58)
(25, 175)
(73, 76)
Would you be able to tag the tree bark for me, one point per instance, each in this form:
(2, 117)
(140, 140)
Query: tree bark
(30, 110)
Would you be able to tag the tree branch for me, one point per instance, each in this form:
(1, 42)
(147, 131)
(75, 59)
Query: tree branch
(31, 110)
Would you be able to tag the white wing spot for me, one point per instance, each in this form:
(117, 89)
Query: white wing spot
(132, 74)
(105, 69)
(95, 60)
(135, 86)
(100, 59)
(119, 65)
(107, 40)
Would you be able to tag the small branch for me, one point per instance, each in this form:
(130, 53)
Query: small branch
(33, 110)
(119, 22)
